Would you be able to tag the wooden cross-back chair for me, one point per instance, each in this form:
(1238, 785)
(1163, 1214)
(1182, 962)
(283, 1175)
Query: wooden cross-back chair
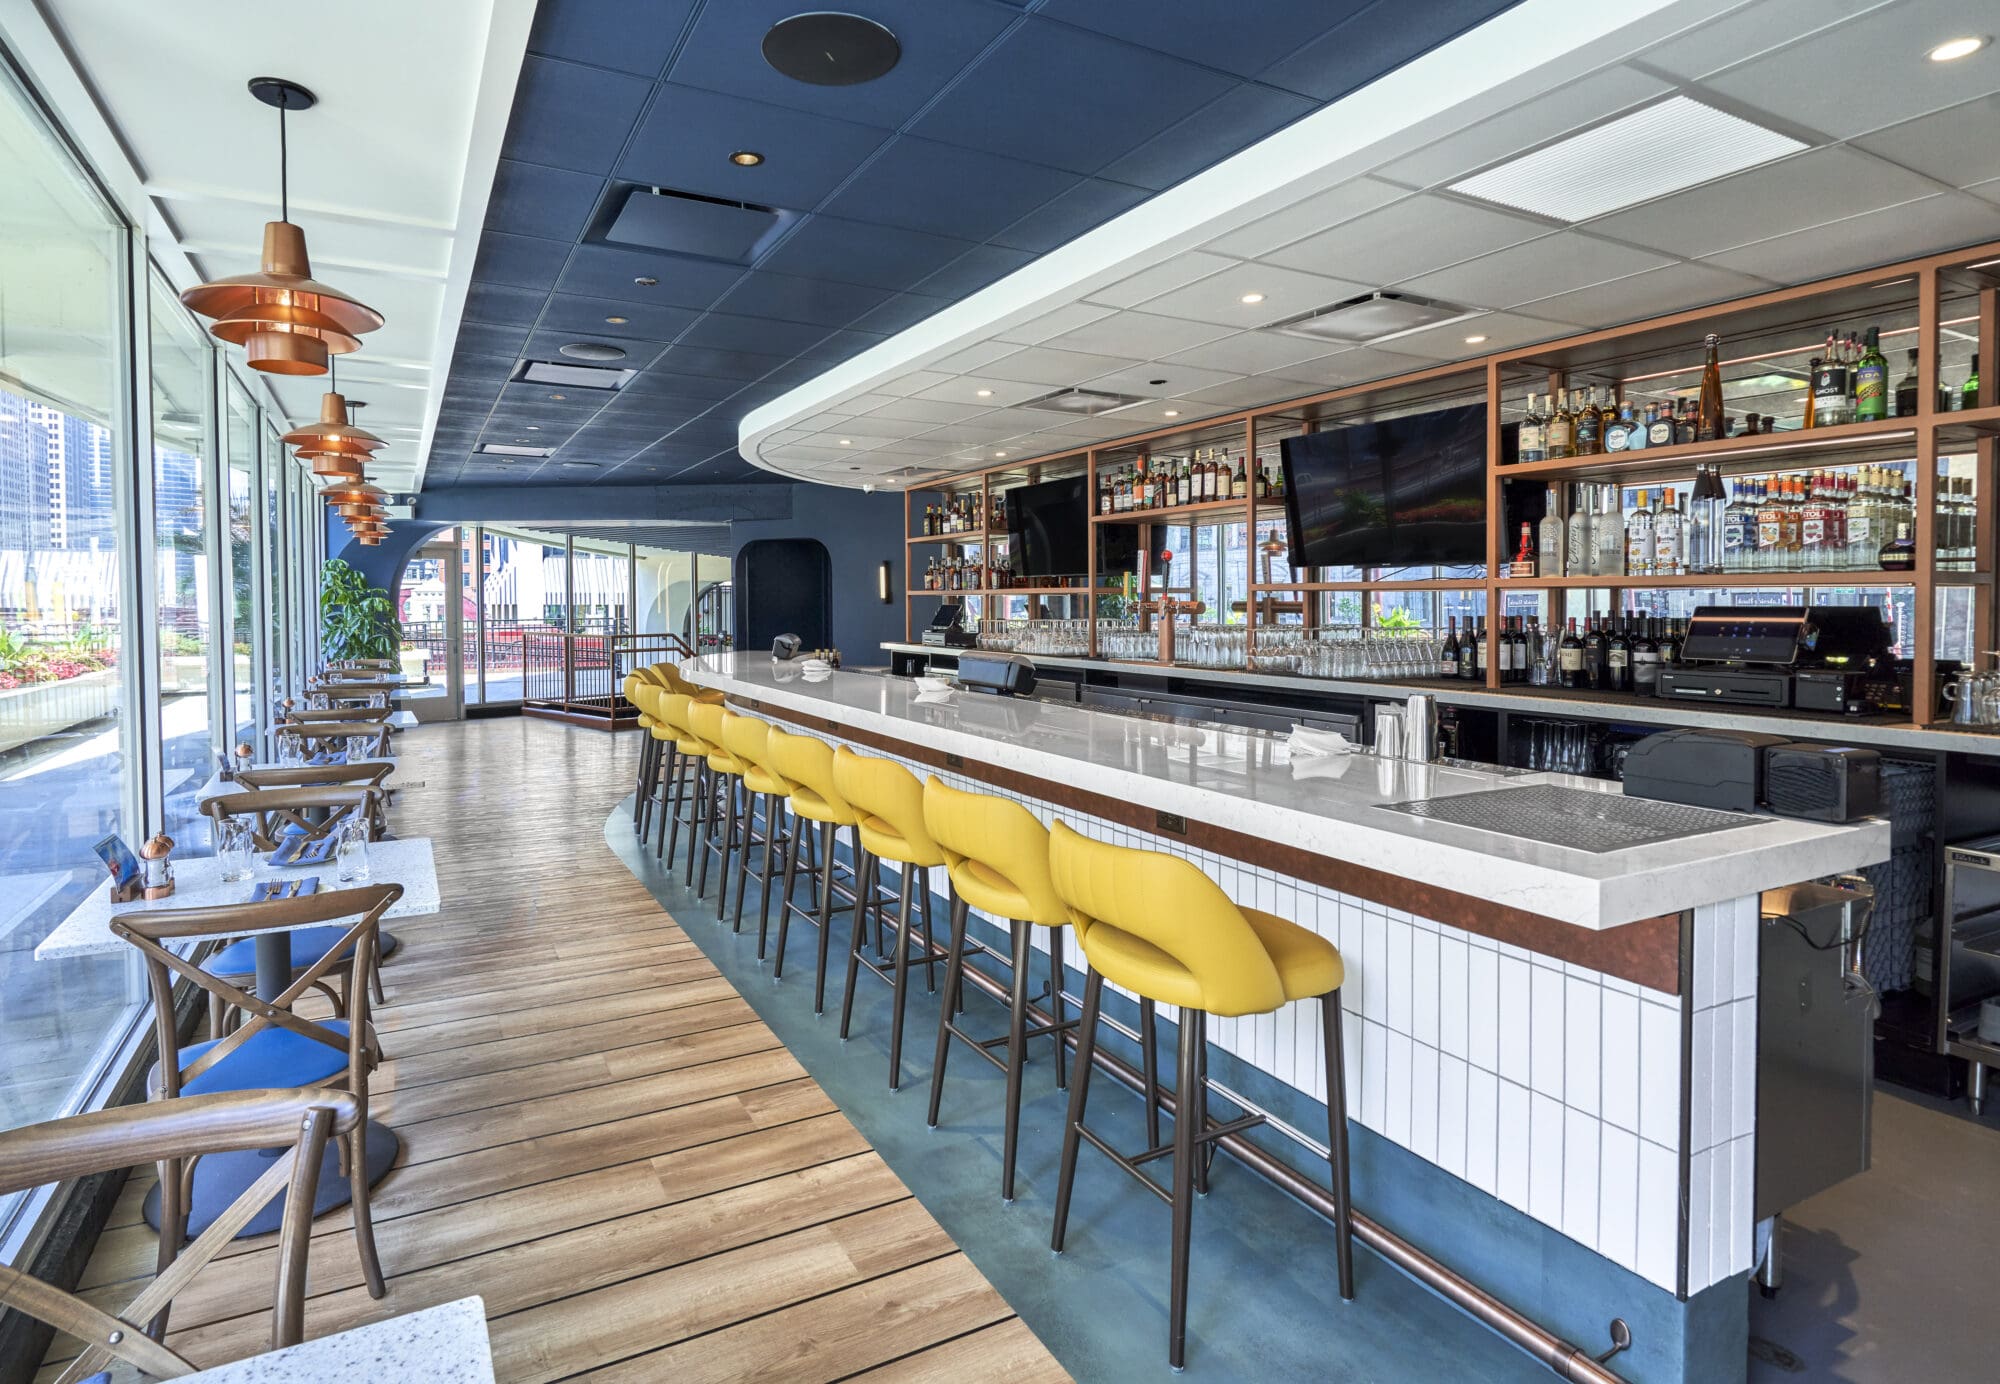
(276, 813)
(338, 1053)
(371, 773)
(319, 736)
(386, 665)
(345, 709)
(298, 1120)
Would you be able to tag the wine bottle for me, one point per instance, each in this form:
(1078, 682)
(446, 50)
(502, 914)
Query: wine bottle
(1569, 657)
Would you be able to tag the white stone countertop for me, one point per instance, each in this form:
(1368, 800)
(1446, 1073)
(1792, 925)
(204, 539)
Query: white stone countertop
(1243, 780)
(1536, 702)
(438, 1345)
(198, 884)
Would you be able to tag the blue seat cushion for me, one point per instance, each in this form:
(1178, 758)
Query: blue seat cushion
(270, 1057)
(309, 944)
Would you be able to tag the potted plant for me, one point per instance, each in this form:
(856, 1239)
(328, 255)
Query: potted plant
(356, 620)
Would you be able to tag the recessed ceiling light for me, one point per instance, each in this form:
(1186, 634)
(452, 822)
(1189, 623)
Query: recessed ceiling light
(645, 281)
(591, 350)
(847, 442)
(746, 158)
(1173, 413)
(580, 465)
(558, 396)
(1474, 340)
(1953, 49)
(999, 454)
(1253, 297)
(984, 393)
(617, 321)
(534, 427)
(1667, 147)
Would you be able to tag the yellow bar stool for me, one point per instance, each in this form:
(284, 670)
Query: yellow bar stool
(747, 738)
(807, 764)
(642, 694)
(716, 803)
(1156, 925)
(997, 855)
(687, 755)
(890, 804)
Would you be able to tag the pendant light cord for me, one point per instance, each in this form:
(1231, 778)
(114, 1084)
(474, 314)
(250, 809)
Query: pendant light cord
(284, 171)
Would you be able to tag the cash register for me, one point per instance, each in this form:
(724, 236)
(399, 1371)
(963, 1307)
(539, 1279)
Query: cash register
(1814, 658)
(945, 632)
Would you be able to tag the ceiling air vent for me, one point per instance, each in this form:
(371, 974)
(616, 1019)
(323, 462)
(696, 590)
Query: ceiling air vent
(686, 223)
(1370, 317)
(572, 376)
(502, 449)
(1085, 402)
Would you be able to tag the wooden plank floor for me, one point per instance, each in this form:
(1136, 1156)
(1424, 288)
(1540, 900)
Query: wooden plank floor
(599, 1136)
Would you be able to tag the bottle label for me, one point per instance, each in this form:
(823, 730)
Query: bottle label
(1871, 391)
(1666, 552)
(1572, 660)
(1646, 667)
(1858, 530)
(1559, 436)
(1618, 436)
(1812, 529)
(1770, 529)
(1661, 433)
(1619, 658)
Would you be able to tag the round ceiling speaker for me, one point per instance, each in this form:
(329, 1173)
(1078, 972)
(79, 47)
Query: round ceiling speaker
(591, 350)
(827, 48)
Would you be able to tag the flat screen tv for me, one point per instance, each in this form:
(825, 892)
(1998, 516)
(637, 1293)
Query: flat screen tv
(1409, 492)
(1049, 532)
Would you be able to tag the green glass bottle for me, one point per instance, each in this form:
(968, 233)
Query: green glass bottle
(1871, 381)
(1968, 395)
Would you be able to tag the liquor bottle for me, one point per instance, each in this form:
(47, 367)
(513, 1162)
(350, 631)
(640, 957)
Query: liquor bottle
(1480, 653)
(1639, 540)
(1871, 381)
(1660, 431)
(1609, 529)
(1239, 484)
(1667, 538)
(1569, 657)
(1593, 654)
(1708, 414)
(1899, 554)
(1529, 445)
(1770, 527)
(1793, 517)
(1523, 564)
(1670, 645)
(1829, 387)
(1641, 435)
(1618, 659)
(1448, 655)
(1590, 425)
(1503, 652)
(1472, 654)
(1618, 432)
(1685, 423)
(1559, 433)
(1645, 658)
(1579, 548)
(1906, 388)
(1812, 525)
(1968, 393)
(1551, 537)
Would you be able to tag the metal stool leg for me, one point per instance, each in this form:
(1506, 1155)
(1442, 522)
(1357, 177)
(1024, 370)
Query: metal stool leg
(1336, 1137)
(699, 807)
(954, 963)
(1056, 1005)
(1150, 1061)
(1079, 1095)
(915, 877)
(826, 913)
(1185, 1128)
(743, 852)
(1017, 1051)
(775, 836)
(792, 834)
(864, 888)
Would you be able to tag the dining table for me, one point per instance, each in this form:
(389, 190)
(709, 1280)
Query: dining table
(220, 1178)
(445, 1344)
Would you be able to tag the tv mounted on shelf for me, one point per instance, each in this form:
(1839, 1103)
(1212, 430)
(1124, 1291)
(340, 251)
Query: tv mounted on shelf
(1049, 532)
(1408, 492)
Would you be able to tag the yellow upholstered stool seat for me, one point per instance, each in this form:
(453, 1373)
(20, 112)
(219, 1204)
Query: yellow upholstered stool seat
(806, 763)
(1155, 924)
(747, 739)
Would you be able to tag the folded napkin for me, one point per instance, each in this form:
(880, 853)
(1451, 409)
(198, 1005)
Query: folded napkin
(815, 670)
(1321, 766)
(1305, 742)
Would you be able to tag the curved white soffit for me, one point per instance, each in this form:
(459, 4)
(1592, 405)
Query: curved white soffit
(1521, 53)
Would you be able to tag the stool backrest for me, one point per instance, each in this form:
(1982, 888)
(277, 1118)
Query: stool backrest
(672, 708)
(999, 834)
(882, 788)
(298, 1122)
(748, 738)
(643, 695)
(705, 720)
(653, 673)
(1170, 903)
(805, 762)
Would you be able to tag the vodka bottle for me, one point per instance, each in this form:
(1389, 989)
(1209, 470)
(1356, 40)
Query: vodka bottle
(1579, 545)
(1610, 531)
(1552, 535)
(1639, 549)
(1667, 537)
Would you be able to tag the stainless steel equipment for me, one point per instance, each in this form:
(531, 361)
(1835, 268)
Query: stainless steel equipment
(1968, 959)
(1420, 728)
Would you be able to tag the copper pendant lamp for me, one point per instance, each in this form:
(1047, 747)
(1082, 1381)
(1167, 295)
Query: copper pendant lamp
(334, 438)
(353, 493)
(288, 322)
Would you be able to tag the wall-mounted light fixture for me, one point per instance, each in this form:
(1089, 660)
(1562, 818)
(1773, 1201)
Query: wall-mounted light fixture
(882, 575)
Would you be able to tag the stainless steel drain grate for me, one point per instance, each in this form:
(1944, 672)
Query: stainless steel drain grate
(1574, 817)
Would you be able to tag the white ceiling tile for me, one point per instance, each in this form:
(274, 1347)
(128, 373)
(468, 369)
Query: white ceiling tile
(1136, 336)
(871, 425)
(1247, 393)
(1789, 195)
(1870, 72)
(1567, 259)
(913, 383)
(1502, 332)
(1313, 214)
(973, 357)
(1349, 367)
(1044, 365)
(1667, 289)
(1566, 109)
(928, 411)
(1408, 237)
(1065, 318)
(1988, 190)
(904, 448)
(1253, 353)
(1149, 283)
(1746, 33)
(964, 389)
(1286, 293)
(1173, 380)
(860, 403)
(1956, 146)
(1915, 228)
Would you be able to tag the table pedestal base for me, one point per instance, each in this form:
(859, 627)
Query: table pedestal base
(220, 1178)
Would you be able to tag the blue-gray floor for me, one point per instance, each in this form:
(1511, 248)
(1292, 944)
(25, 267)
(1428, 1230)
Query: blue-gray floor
(1263, 1303)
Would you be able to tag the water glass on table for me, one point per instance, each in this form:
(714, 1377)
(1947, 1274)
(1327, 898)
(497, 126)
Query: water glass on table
(360, 747)
(351, 851)
(235, 849)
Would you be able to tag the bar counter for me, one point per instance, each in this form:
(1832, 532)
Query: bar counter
(1568, 1032)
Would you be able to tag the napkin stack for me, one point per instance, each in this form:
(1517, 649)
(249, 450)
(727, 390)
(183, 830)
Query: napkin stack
(1309, 743)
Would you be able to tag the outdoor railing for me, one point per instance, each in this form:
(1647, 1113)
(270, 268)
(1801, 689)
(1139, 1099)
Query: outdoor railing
(584, 674)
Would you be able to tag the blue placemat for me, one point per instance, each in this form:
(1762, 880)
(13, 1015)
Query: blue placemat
(298, 850)
(270, 889)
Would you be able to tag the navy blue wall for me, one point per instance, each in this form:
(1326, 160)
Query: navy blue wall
(860, 532)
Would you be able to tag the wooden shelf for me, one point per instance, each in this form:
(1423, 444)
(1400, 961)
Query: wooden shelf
(1968, 425)
(1026, 591)
(1425, 584)
(1172, 513)
(1844, 445)
(960, 540)
(1716, 580)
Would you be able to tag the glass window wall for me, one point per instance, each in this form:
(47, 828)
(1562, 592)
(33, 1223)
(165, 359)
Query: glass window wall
(241, 423)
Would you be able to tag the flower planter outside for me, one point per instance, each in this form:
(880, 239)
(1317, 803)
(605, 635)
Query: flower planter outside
(43, 708)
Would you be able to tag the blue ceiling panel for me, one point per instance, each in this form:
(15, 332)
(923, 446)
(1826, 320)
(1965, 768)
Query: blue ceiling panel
(534, 199)
(828, 247)
(946, 190)
(1062, 219)
(604, 271)
(1007, 128)
(574, 117)
(522, 261)
(630, 38)
(1240, 116)
(688, 135)
(1243, 36)
(790, 298)
(547, 344)
(1114, 98)
(938, 37)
